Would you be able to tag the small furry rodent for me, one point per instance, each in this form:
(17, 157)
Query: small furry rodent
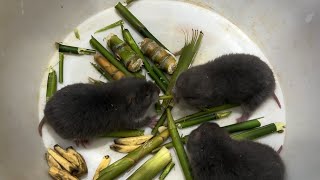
(83, 111)
(214, 155)
(234, 78)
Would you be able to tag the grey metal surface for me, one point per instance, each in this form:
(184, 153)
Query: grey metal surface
(286, 31)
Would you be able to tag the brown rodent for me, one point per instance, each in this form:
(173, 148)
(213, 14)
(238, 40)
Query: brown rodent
(234, 78)
(83, 111)
(214, 155)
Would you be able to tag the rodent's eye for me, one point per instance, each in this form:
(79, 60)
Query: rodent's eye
(147, 95)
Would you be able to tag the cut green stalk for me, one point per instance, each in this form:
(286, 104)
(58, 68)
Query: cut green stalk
(74, 50)
(178, 145)
(214, 116)
(123, 52)
(76, 33)
(206, 112)
(237, 127)
(250, 124)
(122, 165)
(165, 97)
(129, 1)
(113, 25)
(160, 122)
(94, 81)
(61, 61)
(152, 166)
(135, 23)
(158, 107)
(166, 171)
(124, 133)
(259, 132)
(160, 74)
(129, 39)
(51, 83)
(94, 43)
(102, 72)
(170, 144)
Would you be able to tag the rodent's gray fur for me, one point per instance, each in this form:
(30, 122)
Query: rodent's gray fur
(82, 111)
(214, 155)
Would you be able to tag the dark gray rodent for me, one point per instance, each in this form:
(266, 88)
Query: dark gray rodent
(82, 111)
(234, 78)
(214, 155)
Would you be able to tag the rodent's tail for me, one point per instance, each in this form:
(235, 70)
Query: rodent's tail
(276, 99)
(41, 125)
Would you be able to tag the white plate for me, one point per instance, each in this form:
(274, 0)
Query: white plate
(166, 20)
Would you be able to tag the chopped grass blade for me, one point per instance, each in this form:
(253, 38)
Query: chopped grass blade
(102, 72)
(178, 145)
(76, 33)
(51, 83)
(135, 23)
(94, 81)
(165, 97)
(61, 62)
(113, 25)
(120, 166)
(94, 43)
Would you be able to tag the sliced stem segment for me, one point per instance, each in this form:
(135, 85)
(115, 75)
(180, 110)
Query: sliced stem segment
(74, 50)
(214, 116)
(120, 166)
(124, 53)
(95, 44)
(124, 133)
(61, 62)
(250, 124)
(152, 166)
(51, 83)
(109, 68)
(135, 23)
(206, 112)
(131, 42)
(166, 171)
(178, 145)
(259, 132)
(162, 57)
